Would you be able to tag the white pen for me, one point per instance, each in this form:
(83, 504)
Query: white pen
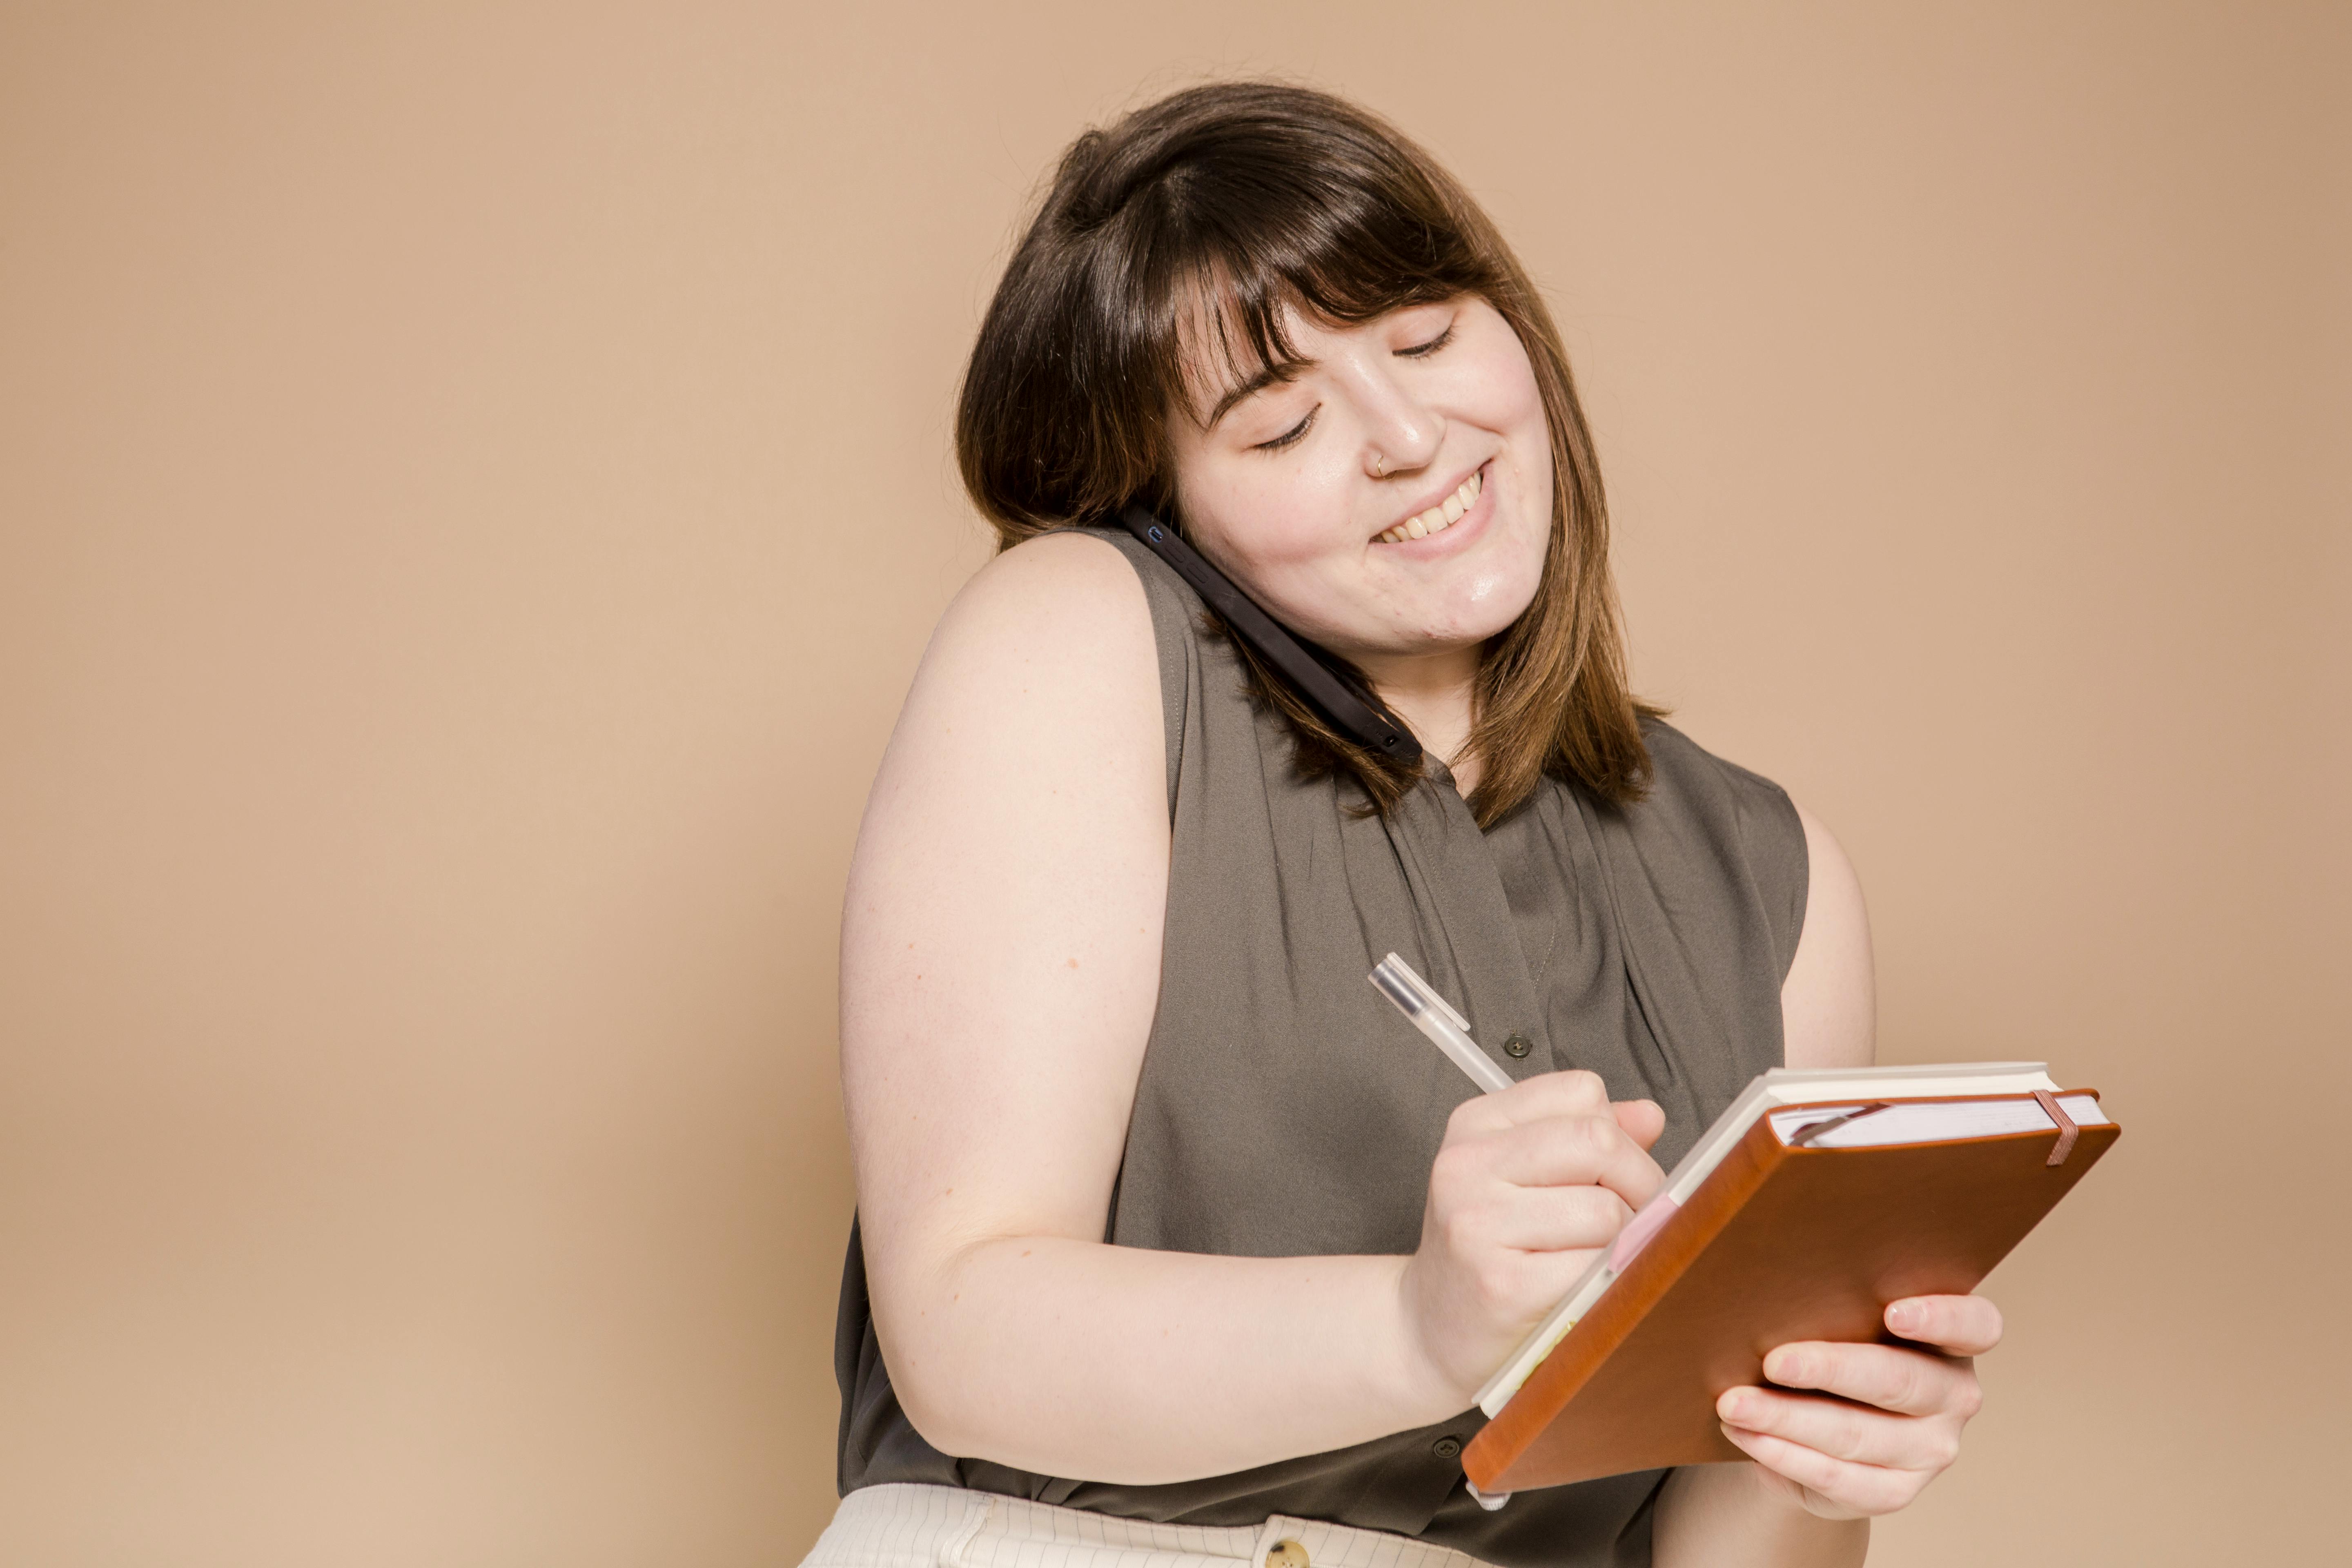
(1448, 1030)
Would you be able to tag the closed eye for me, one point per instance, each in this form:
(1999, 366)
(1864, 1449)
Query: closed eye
(1293, 436)
(1423, 351)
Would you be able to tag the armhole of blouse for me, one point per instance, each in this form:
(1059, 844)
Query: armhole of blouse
(1172, 623)
(1777, 857)
(1800, 884)
(1772, 841)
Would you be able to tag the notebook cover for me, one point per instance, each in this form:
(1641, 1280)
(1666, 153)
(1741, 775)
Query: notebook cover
(1777, 1245)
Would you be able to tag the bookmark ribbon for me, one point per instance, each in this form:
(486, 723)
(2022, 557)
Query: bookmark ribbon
(1812, 1130)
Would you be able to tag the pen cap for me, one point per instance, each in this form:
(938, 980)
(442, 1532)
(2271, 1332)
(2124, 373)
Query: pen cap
(1445, 1028)
(1394, 987)
(1397, 980)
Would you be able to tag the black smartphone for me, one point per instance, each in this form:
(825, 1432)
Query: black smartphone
(1368, 723)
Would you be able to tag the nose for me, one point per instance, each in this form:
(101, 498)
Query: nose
(1402, 433)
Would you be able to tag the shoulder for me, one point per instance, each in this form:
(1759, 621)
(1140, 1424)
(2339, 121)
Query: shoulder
(1746, 814)
(1045, 592)
(1725, 828)
(1041, 676)
(1801, 877)
(1689, 777)
(1055, 619)
(1026, 761)
(1089, 607)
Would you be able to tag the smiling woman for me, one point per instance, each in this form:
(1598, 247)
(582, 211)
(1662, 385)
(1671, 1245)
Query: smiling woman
(1251, 273)
(1417, 579)
(1173, 1236)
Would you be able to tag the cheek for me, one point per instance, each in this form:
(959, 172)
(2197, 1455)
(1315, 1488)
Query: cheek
(1265, 521)
(1518, 409)
(1503, 387)
(1521, 417)
(1500, 581)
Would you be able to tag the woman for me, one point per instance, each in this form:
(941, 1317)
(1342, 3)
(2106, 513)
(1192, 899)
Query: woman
(1174, 1237)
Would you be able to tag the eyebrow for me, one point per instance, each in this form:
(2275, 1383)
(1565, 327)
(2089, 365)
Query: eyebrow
(1272, 375)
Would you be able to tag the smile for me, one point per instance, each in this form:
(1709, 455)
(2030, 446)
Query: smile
(1439, 518)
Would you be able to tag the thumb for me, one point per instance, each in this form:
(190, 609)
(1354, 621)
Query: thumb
(1640, 1119)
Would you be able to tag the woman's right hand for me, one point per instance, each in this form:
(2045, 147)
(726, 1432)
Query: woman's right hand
(1528, 1185)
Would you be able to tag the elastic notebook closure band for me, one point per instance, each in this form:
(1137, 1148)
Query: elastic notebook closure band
(2067, 1131)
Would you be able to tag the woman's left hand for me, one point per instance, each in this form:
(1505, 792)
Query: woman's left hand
(1897, 1423)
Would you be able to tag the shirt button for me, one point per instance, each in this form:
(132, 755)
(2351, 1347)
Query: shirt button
(1517, 1046)
(1287, 1555)
(1447, 1447)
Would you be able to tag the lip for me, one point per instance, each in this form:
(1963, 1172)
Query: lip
(1468, 526)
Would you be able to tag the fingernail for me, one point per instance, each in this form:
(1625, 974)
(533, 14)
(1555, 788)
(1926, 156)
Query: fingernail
(1905, 1316)
(1734, 1408)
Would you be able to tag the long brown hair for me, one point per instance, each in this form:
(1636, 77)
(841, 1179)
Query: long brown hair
(1254, 195)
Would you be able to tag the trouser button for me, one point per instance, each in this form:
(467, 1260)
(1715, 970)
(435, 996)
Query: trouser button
(1285, 1554)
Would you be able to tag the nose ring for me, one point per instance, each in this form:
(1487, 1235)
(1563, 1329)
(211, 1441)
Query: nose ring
(1379, 465)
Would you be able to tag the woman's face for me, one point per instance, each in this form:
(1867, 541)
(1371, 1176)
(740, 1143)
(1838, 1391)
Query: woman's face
(1394, 496)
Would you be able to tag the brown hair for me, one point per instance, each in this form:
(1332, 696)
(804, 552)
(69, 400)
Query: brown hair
(1258, 194)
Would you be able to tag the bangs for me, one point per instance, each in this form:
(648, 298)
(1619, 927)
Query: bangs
(1160, 269)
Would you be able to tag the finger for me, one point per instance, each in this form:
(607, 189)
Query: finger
(1640, 1119)
(1556, 1219)
(1537, 1279)
(1577, 1151)
(1907, 1381)
(1537, 1098)
(1843, 1431)
(1850, 1489)
(1959, 1325)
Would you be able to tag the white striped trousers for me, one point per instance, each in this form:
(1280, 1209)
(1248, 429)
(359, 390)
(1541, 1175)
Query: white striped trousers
(902, 1526)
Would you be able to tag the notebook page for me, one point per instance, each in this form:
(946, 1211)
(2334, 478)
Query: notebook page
(1785, 1086)
(1929, 1123)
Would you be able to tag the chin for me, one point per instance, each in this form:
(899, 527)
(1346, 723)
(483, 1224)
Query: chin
(1441, 631)
(1490, 602)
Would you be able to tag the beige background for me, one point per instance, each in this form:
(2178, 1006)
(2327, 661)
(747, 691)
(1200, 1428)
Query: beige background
(473, 488)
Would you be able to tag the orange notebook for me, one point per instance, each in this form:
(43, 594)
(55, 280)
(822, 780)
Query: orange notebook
(1818, 1197)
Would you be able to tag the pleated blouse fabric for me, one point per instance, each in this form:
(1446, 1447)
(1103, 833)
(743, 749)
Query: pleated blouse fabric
(1285, 1109)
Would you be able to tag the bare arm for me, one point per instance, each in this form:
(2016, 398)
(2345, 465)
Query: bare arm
(1000, 968)
(1829, 1003)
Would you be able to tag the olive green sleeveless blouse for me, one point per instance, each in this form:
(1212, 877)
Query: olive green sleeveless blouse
(1285, 1108)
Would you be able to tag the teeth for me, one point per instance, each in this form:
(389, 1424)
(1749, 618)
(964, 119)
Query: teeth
(1443, 515)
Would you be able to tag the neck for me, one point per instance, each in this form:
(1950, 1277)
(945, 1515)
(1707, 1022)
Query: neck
(1434, 693)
